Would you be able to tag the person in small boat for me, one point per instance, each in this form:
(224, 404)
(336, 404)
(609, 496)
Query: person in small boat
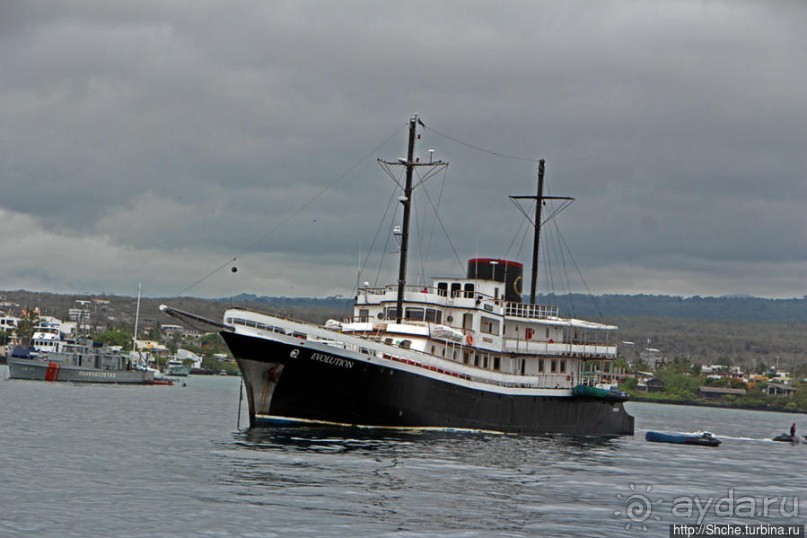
(793, 430)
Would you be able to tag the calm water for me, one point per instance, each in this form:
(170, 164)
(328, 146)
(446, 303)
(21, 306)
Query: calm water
(86, 461)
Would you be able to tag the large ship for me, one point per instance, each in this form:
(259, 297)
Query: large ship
(463, 353)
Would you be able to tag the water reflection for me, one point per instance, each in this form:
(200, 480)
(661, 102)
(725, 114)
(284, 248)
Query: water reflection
(331, 439)
(411, 480)
(285, 455)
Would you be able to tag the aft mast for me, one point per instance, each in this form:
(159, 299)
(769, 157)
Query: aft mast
(536, 243)
(410, 163)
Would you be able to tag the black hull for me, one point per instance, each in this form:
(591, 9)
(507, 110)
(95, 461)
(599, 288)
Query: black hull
(295, 382)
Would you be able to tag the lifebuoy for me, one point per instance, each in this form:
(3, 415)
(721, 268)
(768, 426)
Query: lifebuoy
(469, 339)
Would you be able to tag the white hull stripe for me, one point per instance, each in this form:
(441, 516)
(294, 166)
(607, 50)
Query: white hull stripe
(413, 429)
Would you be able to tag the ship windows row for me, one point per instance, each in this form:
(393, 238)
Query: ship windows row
(254, 324)
(513, 365)
(457, 289)
(413, 314)
(517, 366)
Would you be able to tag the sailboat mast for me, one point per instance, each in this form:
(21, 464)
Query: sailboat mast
(406, 200)
(137, 318)
(536, 242)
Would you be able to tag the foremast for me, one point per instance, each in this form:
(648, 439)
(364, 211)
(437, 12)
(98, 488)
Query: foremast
(410, 163)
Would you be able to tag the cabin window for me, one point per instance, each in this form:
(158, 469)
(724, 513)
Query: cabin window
(433, 315)
(456, 287)
(364, 314)
(540, 365)
(416, 314)
(391, 312)
(523, 366)
(432, 350)
(454, 355)
(563, 366)
(497, 363)
(469, 291)
(489, 326)
(466, 358)
(476, 360)
(547, 333)
(554, 366)
(442, 288)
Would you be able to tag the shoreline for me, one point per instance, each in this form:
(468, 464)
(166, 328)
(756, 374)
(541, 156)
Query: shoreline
(696, 403)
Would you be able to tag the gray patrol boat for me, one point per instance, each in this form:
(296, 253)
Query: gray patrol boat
(77, 361)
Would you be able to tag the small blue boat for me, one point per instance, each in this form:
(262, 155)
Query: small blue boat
(699, 438)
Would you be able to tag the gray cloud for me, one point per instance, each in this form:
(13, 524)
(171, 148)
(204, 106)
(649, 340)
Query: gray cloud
(156, 142)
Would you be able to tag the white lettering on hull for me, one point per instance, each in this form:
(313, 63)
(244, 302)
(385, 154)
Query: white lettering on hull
(85, 373)
(330, 359)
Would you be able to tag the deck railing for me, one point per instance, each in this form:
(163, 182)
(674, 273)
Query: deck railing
(530, 311)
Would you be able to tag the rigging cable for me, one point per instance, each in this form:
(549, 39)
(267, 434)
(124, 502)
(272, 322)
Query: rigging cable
(292, 215)
(562, 253)
(477, 148)
(523, 234)
(364, 263)
(427, 248)
(421, 180)
(548, 263)
(580, 274)
(442, 227)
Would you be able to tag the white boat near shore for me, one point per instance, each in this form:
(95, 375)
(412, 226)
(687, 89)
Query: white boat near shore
(178, 369)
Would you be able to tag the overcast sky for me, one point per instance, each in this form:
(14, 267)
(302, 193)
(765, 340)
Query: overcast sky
(157, 141)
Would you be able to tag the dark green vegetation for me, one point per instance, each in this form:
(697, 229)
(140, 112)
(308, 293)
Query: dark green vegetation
(115, 337)
(681, 388)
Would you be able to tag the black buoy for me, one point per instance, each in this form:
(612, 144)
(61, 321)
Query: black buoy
(234, 269)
